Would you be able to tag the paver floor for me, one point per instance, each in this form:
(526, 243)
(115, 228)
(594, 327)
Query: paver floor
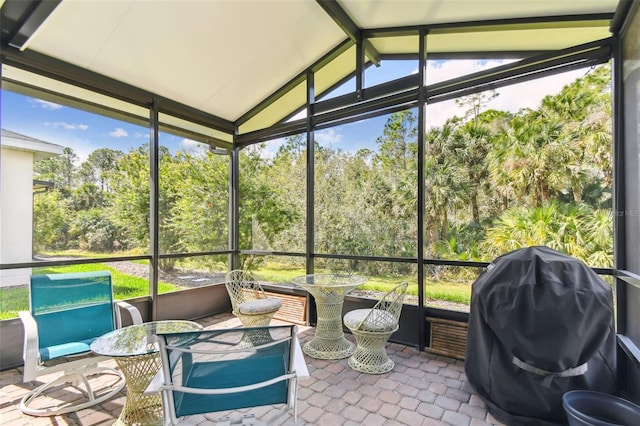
(422, 389)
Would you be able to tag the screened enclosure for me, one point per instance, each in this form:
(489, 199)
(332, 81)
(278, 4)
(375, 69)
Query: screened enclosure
(405, 144)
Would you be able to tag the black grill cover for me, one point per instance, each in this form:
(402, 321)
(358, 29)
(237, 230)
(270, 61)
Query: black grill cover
(536, 311)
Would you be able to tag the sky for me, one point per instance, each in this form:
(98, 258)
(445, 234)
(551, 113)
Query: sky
(512, 98)
(84, 132)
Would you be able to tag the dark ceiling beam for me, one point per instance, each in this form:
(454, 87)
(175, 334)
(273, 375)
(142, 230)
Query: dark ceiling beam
(21, 19)
(344, 21)
(623, 11)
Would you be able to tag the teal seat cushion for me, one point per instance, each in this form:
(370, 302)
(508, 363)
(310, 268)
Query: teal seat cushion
(73, 326)
(65, 349)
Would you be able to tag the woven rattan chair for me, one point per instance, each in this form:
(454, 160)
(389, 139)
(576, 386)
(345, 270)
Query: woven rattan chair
(372, 328)
(249, 302)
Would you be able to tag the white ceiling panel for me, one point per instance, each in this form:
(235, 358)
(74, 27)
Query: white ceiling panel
(221, 57)
(384, 14)
(494, 41)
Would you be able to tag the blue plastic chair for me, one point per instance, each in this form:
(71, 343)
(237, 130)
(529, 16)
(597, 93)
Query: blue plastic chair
(218, 370)
(67, 313)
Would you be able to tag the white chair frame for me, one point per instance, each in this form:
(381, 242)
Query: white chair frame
(75, 370)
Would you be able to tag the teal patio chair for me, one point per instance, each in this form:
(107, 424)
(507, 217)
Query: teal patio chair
(216, 371)
(67, 313)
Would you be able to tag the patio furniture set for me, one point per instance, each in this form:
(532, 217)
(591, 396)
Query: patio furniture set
(371, 328)
(175, 368)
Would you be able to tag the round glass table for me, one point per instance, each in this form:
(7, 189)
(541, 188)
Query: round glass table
(329, 291)
(136, 353)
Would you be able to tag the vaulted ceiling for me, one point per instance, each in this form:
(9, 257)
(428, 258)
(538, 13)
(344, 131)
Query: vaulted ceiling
(241, 65)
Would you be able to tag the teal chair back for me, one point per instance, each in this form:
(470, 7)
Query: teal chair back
(217, 370)
(71, 311)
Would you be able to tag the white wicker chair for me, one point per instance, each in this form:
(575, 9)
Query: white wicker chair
(249, 302)
(372, 328)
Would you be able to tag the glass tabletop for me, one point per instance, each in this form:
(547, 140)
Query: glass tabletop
(138, 339)
(329, 280)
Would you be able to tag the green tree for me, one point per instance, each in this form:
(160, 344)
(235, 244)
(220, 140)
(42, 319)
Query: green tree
(50, 221)
(584, 106)
(575, 229)
(398, 143)
(129, 198)
(94, 230)
(265, 209)
(87, 196)
(59, 169)
(286, 173)
(196, 201)
(98, 166)
(392, 180)
(445, 185)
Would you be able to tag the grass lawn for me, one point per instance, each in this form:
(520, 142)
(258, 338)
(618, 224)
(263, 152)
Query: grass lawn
(449, 291)
(14, 299)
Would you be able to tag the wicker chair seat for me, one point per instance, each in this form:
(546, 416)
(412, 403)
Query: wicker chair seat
(370, 320)
(259, 306)
(249, 302)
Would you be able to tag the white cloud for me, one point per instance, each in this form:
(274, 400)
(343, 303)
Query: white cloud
(67, 126)
(266, 150)
(191, 146)
(328, 136)
(45, 104)
(118, 133)
(446, 70)
(528, 94)
(77, 142)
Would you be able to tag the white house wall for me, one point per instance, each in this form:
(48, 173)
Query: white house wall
(16, 193)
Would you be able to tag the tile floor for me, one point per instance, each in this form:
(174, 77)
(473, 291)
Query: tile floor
(423, 389)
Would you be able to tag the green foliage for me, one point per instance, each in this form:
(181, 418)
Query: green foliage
(129, 198)
(94, 230)
(494, 182)
(578, 230)
(59, 169)
(50, 221)
(266, 206)
(87, 196)
(99, 167)
(194, 202)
